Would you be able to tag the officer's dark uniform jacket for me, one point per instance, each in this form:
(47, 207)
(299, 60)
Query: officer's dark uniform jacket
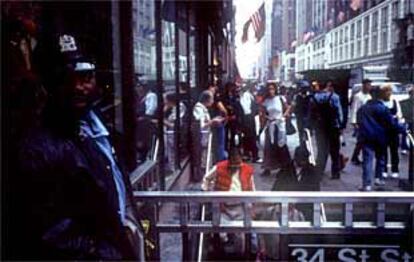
(71, 199)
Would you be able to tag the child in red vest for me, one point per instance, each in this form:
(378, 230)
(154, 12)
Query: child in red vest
(231, 175)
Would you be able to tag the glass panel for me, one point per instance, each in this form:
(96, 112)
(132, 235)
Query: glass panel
(145, 77)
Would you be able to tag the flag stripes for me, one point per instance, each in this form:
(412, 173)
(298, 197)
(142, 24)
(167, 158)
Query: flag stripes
(258, 20)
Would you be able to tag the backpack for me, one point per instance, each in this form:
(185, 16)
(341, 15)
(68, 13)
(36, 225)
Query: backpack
(324, 113)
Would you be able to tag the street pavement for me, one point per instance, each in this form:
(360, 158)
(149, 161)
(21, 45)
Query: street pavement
(351, 175)
(171, 244)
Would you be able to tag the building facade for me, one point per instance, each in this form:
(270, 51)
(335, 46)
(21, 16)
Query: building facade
(284, 35)
(369, 38)
(303, 19)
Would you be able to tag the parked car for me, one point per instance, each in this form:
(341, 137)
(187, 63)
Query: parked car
(399, 91)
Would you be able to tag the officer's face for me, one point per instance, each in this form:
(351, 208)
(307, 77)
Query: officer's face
(82, 90)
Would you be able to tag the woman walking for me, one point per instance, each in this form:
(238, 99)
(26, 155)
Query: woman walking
(275, 111)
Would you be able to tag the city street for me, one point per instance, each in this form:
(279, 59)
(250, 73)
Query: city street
(162, 130)
(350, 176)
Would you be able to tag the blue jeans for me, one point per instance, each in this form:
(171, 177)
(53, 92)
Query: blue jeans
(368, 153)
(220, 150)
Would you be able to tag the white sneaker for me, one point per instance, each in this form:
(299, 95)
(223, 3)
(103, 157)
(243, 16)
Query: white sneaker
(379, 182)
(384, 174)
(404, 152)
(365, 188)
(395, 175)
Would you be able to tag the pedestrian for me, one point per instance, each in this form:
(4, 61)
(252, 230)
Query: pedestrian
(219, 132)
(301, 106)
(250, 110)
(301, 175)
(235, 114)
(77, 197)
(146, 114)
(326, 120)
(359, 100)
(170, 113)
(276, 153)
(200, 129)
(393, 142)
(375, 124)
(184, 97)
(232, 175)
(407, 109)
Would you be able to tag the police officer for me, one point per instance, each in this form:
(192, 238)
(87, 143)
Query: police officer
(76, 197)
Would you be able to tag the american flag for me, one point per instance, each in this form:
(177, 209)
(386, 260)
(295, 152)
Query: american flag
(258, 20)
(356, 4)
(308, 36)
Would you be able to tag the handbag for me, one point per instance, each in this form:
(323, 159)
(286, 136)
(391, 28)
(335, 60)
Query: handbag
(290, 128)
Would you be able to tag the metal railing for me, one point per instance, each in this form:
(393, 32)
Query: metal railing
(347, 225)
(203, 207)
(145, 176)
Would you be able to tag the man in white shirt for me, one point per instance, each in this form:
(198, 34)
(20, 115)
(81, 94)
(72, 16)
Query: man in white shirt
(358, 101)
(201, 122)
(248, 104)
(146, 111)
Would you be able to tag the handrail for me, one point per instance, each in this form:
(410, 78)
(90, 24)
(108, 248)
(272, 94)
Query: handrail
(203, 207)
(347, 225)
(156, 147)
(410, 137)
(274, 196)
(144, 176)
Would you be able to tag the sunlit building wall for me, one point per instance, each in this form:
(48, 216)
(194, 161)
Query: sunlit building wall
(369, 38)
(366, 39)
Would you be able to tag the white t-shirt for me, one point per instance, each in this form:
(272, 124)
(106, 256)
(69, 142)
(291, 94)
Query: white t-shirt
(171, 117)
(359, 100)
(246, 102)
(274, 108)
(200, 113)
(151, 103)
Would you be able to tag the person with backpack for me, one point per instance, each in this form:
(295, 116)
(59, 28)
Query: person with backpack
(326, 120)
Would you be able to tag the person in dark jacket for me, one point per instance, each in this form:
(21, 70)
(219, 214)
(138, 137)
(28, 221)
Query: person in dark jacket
(301, 107)
(326, 118)
(76, 199)
(375, 123)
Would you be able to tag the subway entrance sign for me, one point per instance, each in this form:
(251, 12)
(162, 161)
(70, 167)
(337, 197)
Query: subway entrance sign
(347, 248)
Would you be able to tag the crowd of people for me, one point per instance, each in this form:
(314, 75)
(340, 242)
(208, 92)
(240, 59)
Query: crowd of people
(375, 116)
(245, 122)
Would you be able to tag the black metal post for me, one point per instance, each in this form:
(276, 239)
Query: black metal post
(160, 92)
(188, 51)
(127, 76)
(411, 166)
(177, 89)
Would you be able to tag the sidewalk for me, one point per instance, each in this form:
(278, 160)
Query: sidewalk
(351, 176)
